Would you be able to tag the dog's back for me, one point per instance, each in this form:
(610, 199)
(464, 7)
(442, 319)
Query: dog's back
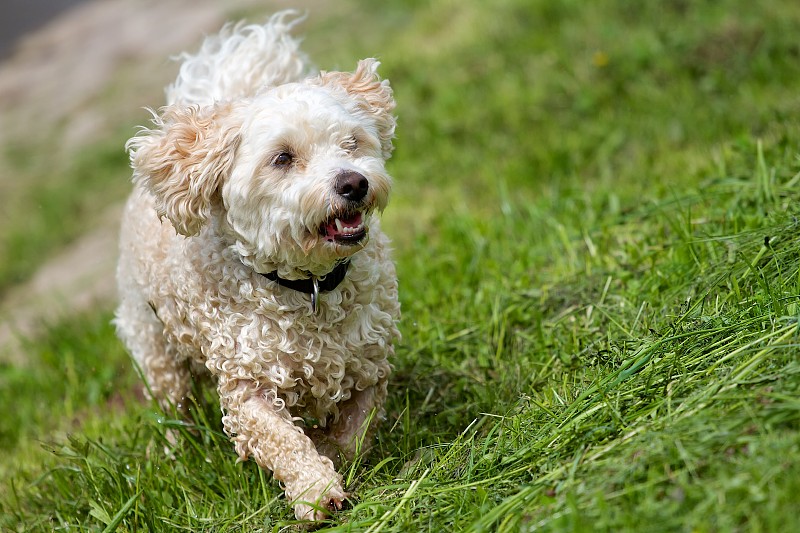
(239, 61)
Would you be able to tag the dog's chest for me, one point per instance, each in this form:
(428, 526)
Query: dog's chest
(311, 361)
(243, 326)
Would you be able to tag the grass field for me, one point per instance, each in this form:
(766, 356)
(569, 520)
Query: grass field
(596, 225)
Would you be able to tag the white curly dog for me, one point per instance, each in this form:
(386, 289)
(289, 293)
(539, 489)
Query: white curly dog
(251, 250)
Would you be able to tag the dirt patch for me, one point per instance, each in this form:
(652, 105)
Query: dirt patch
(74, 281)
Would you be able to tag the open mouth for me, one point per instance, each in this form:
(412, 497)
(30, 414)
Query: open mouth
(348, 228)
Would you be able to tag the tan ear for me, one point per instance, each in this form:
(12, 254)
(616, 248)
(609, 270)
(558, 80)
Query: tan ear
(183, 161)
(374, 95)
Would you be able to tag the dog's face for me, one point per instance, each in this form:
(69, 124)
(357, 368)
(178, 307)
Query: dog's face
(309, 172)
(290, 177)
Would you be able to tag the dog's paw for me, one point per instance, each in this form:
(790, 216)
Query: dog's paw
(333, 500)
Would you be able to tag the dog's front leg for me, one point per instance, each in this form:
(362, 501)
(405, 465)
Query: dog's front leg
(262, 428)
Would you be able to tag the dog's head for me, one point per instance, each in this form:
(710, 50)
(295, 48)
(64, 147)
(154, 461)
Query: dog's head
(289, 177)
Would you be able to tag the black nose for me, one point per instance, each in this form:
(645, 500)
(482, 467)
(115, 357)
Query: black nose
(351, 186)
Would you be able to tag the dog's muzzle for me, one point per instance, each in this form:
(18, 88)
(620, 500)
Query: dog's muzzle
(347, 225)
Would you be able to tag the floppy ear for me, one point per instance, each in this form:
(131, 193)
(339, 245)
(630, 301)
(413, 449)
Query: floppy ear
(183, 161)
(373, 96)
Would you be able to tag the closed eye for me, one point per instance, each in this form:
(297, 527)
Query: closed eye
(350, 144)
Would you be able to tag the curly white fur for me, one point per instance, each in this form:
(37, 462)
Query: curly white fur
(241, 59)
(239, 176)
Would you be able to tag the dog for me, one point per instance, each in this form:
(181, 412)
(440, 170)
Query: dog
(251, 250)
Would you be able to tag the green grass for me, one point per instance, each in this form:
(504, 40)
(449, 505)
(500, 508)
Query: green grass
(596, 221)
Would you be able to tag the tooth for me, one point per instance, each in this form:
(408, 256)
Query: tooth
(338, 225)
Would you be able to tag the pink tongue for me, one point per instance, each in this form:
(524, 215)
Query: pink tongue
(353, 221)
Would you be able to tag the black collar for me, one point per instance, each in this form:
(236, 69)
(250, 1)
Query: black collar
(313, 285)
